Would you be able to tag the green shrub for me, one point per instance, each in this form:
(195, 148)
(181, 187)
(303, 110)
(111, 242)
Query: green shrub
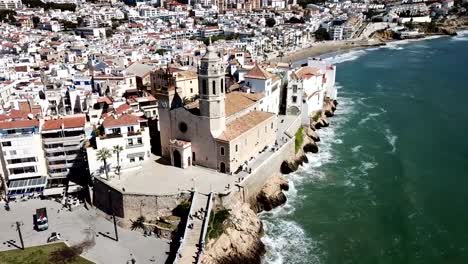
(216, 223)
(299, 139)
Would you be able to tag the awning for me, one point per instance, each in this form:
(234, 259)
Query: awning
(27, 183)
(26, 186)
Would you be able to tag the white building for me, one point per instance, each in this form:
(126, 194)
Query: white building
(22, 157)
(305, 92)
(258, 80)
(125, 131)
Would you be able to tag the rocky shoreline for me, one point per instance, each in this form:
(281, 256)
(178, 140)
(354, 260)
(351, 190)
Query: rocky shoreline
(241, 241)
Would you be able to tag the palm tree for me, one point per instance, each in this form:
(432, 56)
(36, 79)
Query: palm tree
(117, 149)
(102, 155)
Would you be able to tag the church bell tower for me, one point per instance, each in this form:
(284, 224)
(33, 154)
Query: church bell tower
(211, 81)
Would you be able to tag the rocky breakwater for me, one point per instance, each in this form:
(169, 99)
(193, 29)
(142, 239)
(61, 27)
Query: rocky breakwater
(306, 140)
(240, 241)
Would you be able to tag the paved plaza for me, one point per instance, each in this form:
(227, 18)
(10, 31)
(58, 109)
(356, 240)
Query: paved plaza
(78, 226)
(156, 177)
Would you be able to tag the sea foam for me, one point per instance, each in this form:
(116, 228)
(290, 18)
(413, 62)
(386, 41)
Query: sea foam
(348, 56)
(391, 139)
(285, 240)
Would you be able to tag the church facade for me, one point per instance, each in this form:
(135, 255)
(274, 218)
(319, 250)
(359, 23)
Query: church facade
(221, 131)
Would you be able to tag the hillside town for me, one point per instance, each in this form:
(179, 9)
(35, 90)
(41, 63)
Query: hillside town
(135, 107)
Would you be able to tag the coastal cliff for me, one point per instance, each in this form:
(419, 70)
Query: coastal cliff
(241, 241)
(240, 238)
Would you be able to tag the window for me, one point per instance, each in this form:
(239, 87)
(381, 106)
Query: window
(214, 87)
(141, 158)
(294, 99)
(139, 140)
(204, 87)
(183, 127)
(130, 142)
(130, 129)
(222, 151)
(6, 144)
(191, 90)
(29, 169)
(193, 156)
(237, 148)
(271, 125)
(132, 160)
(115, 130)
(222, 85)
(265, 129)
(295, 88)
(12, 152)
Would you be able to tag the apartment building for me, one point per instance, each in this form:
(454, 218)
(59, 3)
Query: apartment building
(63, 142)
(131, 134)
(22, 157)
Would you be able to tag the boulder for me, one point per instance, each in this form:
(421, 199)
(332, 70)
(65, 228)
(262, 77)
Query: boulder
(272, 195)
(310, 147)
(318, 125)
(324, 122)
(313, 135)
(241, 240)
(287, 167)
(329, 113)
(291, 166)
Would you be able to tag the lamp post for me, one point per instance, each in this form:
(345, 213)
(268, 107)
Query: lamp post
(113, 216)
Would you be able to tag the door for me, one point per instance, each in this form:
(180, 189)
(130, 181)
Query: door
(177, 159)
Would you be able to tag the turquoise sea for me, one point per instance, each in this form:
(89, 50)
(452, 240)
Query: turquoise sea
(390, 183)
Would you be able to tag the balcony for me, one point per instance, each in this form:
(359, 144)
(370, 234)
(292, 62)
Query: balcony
(62, 139)
(60, 166)
(62, 149)
(134, 146)
(62, 157)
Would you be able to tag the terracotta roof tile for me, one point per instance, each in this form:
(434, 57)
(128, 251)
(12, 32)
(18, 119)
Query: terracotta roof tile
(19, 124)
(307, 72)
(238, 101)
(243, 124)
(123, 109)
(124, 120)
(76, 121)
(258, 73)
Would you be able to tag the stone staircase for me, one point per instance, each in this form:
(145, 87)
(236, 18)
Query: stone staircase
(191, 241)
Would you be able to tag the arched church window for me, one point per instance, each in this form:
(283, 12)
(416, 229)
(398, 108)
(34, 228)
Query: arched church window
(183, 127)
(222, 151)
(214, 87)
(222, 86)
(204, 87)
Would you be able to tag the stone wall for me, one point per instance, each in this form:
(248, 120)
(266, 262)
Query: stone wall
(129, 206)
(249, 188)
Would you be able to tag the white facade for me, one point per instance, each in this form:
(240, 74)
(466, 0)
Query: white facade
(258, 80)
(133, 138)
(22, 157)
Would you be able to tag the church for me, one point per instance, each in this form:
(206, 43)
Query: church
(220, 130)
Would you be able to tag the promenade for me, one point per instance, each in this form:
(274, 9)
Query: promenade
(76, 227)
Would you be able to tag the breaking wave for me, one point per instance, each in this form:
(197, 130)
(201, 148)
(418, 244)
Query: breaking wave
(285, 240)
(391, 139)
(348, 56)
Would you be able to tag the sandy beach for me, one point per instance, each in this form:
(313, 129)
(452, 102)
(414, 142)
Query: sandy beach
(321, 48)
